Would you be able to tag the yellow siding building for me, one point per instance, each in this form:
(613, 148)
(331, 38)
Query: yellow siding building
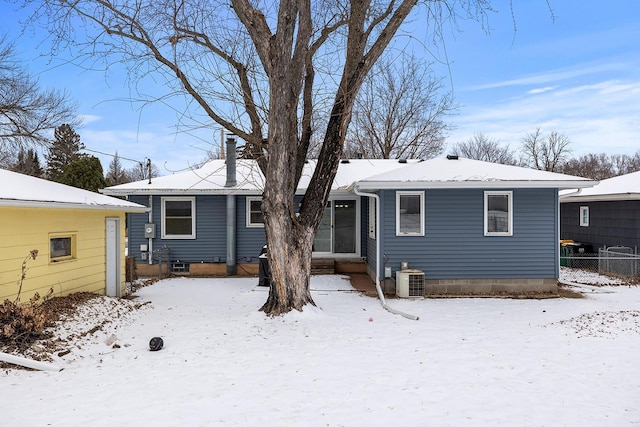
(78, 236)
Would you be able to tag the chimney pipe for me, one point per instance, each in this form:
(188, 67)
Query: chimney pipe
(231, 162)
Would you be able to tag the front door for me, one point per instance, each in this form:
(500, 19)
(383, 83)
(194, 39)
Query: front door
(112, 258)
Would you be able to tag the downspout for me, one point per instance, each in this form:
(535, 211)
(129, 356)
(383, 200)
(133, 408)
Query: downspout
(150, 243)
(378, 234)
(28, 363)
(232, 268)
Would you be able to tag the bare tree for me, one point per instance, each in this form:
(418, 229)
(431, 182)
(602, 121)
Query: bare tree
(399, 112)
(28, 112)
(142, 171)
(481, 147)
(545, 152)
(258, 69)
(601, 166)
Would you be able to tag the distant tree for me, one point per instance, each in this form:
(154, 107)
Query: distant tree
(142, 171)
(625, 164)
(545, 152)
(28, 112)
(64, 149)
(593, 166)
(481, 147)
(399, 112)
(85, 172)
(116, 174)
(601, 166)
(28, 163)
(7, 157)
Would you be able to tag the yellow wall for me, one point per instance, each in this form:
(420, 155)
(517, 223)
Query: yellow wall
(24, 229)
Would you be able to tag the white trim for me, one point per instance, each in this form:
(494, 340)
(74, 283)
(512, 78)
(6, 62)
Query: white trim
(373, 218)
(193, 218)
(248, 222)
(399, 194)
(583, 210)
(509, 232)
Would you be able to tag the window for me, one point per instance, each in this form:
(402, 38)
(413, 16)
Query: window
(178, 218)
(254, 212)
(409, 216)
(62, 247)
(372, 218)
(584, 216)
(498, 213)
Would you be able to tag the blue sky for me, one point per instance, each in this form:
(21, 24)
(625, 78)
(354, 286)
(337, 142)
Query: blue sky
(577, 73)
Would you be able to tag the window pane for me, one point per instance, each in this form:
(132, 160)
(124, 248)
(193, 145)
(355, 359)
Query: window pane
(177, 208)
(410, 215)
(498, 213)
(255, 212)
(181, 226)
(60, 247)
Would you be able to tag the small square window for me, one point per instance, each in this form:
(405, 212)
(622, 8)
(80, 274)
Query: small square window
(254, 212)
(584, 216)
(62, 247)
(409, 213)
(498, 213)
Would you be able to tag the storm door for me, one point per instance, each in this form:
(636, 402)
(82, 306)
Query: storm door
(338, 231)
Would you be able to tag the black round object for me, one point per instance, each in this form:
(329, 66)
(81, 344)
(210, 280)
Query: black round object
(156, 343)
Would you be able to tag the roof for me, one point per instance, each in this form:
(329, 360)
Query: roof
(623, 187)
(364, 173)
(454, 172)
(211, 178)
(20, 190)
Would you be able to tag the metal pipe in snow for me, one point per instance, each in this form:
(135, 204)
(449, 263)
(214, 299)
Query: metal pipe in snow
(28, 363)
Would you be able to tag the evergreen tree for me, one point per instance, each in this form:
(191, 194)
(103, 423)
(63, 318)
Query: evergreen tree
(64, 149)
(116, 174)
(28, 163)
(85, 172)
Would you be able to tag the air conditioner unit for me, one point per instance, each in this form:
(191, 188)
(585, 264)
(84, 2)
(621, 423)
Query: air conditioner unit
(409, 283)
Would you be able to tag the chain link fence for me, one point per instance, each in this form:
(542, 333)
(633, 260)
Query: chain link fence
(619, 261)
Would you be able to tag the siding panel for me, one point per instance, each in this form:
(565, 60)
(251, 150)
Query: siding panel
(454, 245)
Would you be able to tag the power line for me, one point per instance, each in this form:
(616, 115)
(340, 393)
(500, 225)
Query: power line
(113, 155)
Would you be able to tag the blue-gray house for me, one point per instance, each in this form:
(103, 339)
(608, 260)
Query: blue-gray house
(465, 226)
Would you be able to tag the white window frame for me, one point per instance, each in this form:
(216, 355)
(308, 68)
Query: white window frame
(399, 195)
(372, 218)
(72, 243)
(584, 222)
(248, 222)
(193, 218)
(487, 194)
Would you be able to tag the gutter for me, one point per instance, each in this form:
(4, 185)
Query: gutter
(573, 193)
(378, 234)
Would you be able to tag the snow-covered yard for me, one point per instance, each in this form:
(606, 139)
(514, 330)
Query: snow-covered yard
(348, 362)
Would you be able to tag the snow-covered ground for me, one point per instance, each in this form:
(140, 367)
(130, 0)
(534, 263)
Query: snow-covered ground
(347, 362)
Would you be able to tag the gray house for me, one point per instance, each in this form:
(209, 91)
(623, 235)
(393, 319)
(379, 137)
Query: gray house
(458, 225)
(607, 214)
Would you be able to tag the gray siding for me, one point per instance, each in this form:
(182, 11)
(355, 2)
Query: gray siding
(610, 223)
(454, 245)
(249, 240)
(210, 242)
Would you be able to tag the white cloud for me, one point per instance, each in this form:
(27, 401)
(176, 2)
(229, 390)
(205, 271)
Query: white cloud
(541, 90)
(599, 117)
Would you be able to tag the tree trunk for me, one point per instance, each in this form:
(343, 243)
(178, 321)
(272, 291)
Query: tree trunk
(289, 253)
